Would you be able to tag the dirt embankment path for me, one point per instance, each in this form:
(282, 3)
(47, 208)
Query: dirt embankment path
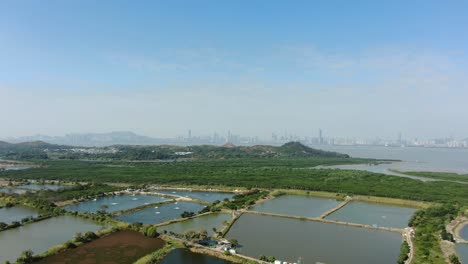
(456, 226)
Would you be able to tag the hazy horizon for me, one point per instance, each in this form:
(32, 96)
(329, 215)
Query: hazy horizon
(354, 69)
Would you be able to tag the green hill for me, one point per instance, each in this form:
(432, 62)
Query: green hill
(43, 150)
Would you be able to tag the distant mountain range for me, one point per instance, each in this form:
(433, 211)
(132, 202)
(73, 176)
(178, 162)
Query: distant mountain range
(93, 139)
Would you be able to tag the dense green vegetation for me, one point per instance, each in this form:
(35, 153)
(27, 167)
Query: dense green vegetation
(454, 259)
(75, 192)
(27, 150)
(245, 200)
(257, 168)
(429, 224)
(404, 251)
(42, 151)
(447, 176)
(253, 173)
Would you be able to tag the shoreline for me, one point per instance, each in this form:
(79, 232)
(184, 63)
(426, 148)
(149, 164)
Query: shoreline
(455, 227)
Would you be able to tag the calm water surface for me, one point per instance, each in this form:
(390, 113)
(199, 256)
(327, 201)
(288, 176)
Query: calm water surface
(17, 168)
(464, 232)
(374, 214)
(8, 190)
(288, 239)
(185, 256)
(204, 196)
(207, 222)
(297, 205)
(381, 168)
(115, 203)
(462, 251)
(16, 213)
(37, 187)
(42, 235)
(160, 214)
(416, 159)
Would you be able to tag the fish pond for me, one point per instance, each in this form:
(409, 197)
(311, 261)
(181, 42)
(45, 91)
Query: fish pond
(42, 235)
(10, 190)
(315, 242)
(462, 251)
(201, 195)
(16, 213)
(161, 213)
(464, 232)
(373, 214)
(182, 255)
(115, 203)
(38, 187)
(297, 205)
(206, 222)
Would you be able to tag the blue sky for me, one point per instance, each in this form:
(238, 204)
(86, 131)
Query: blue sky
(352, 68)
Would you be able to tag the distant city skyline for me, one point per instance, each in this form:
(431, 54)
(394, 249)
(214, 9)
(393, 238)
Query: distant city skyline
(130, 138)
(354, 69)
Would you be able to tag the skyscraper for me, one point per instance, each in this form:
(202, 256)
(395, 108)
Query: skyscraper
(320, 141)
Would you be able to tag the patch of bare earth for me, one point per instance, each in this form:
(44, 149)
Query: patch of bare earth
(121, 247)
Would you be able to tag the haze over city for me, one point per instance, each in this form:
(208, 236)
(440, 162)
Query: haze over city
(355, 69)
(233, 132)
